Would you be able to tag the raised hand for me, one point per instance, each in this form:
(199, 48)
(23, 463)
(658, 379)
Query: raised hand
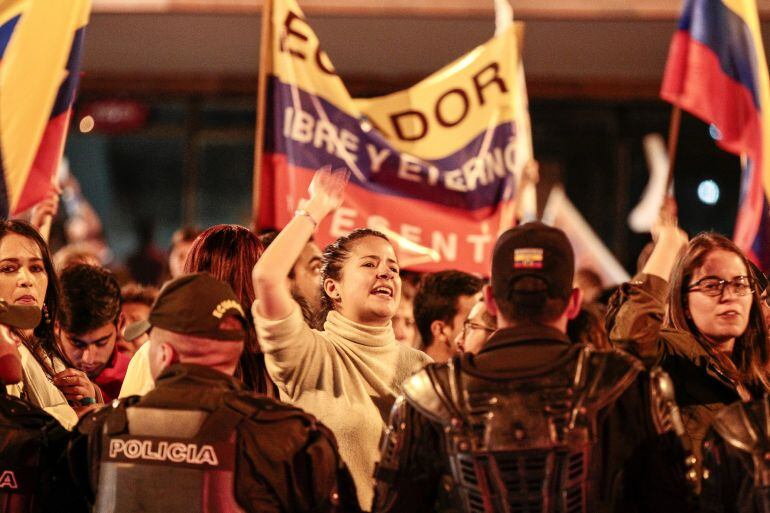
(327, 191)
(46, 209)
(666, 227)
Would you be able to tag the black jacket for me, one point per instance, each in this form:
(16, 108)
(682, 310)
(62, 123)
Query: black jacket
(33, 472)
(638, 470)
(285, 460)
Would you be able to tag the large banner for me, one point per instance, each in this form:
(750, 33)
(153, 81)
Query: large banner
(436, 164)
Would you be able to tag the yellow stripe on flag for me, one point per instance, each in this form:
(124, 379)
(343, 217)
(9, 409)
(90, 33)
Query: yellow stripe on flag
(32, 71)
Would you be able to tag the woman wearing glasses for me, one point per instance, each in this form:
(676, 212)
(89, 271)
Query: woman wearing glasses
(695, 310)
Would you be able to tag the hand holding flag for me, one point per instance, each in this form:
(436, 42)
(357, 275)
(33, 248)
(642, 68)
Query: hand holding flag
(44, 212)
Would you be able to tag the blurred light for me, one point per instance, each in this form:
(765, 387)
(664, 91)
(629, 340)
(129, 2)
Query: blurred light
(708, 192)
(87, 124)
(714, 132)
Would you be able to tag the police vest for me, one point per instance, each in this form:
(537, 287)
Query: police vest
(168, 461)
(524, 442)
(22, 454)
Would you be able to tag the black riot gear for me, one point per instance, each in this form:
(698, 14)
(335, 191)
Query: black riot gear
(33, 476)
(736, 475)
(532, 440)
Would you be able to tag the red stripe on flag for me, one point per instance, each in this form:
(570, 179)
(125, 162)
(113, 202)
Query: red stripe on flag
(694, 81)
(461, 240)
(45, 164)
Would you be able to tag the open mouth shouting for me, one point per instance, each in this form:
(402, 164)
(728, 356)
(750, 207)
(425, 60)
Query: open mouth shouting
(383, 291)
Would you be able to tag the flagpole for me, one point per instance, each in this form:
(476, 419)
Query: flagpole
(259, 133)
(673, 139)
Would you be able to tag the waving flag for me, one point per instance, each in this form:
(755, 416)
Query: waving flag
(435, 163)
(717, 71)
(41, 43)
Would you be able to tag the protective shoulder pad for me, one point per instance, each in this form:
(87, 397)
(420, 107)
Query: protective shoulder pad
(609, 374)
(425, 392)
(736, 428)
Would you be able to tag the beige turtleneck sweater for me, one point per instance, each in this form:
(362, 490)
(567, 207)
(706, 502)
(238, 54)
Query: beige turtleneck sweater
(347, 376)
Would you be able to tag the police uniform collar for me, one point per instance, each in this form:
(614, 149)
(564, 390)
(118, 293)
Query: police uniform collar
(524, 333)
(190, 374)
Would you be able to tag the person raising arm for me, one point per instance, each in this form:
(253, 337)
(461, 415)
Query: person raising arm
(349, 373)
(272, 271)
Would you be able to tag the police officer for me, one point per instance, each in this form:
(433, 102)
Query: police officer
(533, 423)
(32, 476)
(199, 442)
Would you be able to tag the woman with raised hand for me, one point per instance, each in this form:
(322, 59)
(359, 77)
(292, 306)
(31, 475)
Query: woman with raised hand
(695, 311)
(348, 374)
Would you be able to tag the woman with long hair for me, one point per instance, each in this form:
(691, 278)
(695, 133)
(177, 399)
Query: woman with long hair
(27, 277)
(349, 373)
(229, 252)
(695, 311)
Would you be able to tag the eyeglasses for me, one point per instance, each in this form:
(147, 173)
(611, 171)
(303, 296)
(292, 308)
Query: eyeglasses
(469, 325)
(739, 286)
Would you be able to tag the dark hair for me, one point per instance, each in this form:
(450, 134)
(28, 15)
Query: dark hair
(334, 257)
(43, 345)
(229, 252)
(588, 328)
(528, 302)
(90, 298)
(437, 296)
(135, 293)
(750, 353)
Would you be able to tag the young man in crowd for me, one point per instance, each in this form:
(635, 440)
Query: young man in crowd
(218, 447)
(305, 276)
(90, 325)
(441, 306)
(477, 328)
(533, 422)
(33, 478)
(136, 301)
(404, 327)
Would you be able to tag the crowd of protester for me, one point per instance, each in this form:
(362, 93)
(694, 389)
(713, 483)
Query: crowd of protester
(258, 372)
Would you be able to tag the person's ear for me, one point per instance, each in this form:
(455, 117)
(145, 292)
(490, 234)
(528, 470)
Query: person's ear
(437, 330)
(331, 289)
(489, 300)
(574, 302)
(168, 356)
(121, 324)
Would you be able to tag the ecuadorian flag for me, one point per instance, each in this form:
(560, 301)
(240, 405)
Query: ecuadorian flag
(717, 71)
(41, 43)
